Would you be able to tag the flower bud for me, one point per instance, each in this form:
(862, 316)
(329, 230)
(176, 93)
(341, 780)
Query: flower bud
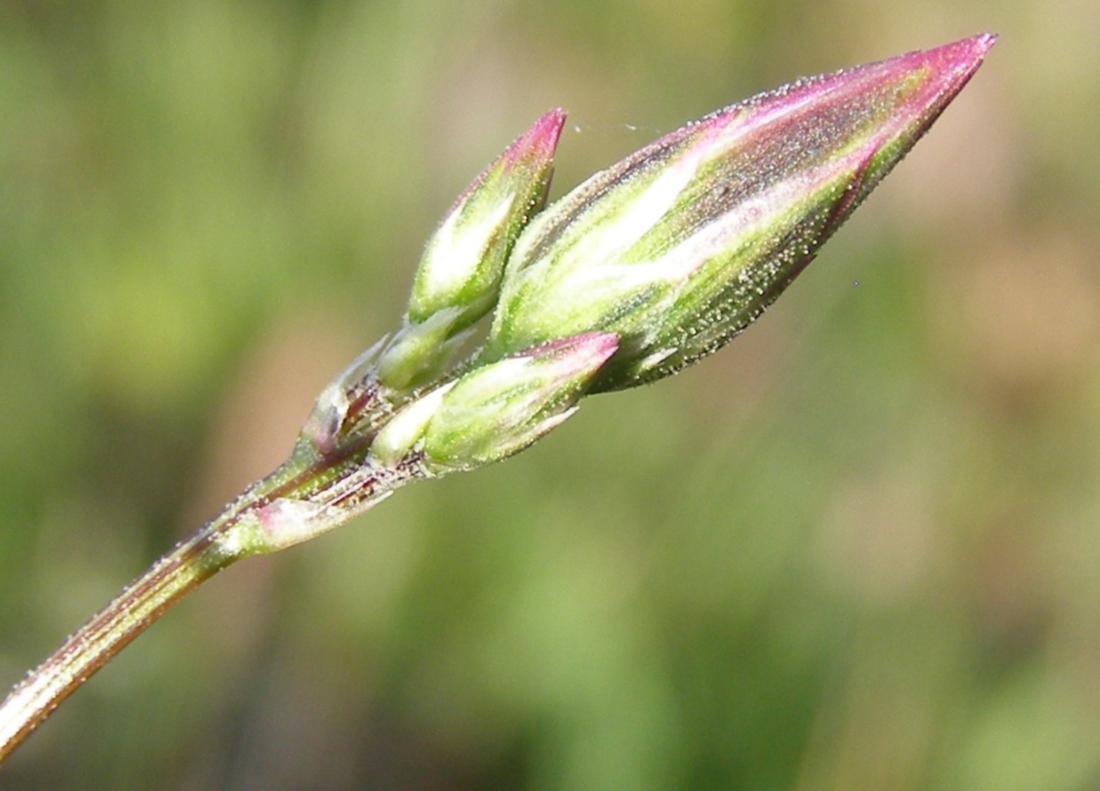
(500, 408)
(682, 245)
(458, 279)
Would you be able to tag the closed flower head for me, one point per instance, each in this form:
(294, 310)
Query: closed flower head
(683, 244)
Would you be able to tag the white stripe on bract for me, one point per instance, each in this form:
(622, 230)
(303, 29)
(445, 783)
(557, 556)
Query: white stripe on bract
(676, 265)
(718, 236)
(613, 237)
(543, 373)
(457, 248)
(751, 118)
(499, 375)
(593, 263)
(641, 213)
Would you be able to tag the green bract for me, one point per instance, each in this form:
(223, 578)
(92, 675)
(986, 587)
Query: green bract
(497, 409)
(458, 279)
(456, 285)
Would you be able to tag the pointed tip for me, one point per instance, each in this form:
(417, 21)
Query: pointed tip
(549, 125)
(950, 67)
(957, 60)
(966, 52)
(540, 140)
(554, 117)
(986, 40)
(979, 45)
(929, 78)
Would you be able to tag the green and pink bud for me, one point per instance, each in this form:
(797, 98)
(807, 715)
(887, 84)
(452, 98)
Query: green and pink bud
(682, 245)
(498, 409)
(456, 284)
(458, 280)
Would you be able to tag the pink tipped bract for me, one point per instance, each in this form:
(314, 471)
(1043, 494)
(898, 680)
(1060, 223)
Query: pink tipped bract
(539, 141)
(681, 245)
(464, 259)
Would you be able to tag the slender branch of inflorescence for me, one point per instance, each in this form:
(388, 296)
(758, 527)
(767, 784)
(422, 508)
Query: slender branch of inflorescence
(336, 480)
(94, 644)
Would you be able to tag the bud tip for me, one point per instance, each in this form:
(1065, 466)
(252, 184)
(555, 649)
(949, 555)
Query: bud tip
(538, 143)
(542, 137)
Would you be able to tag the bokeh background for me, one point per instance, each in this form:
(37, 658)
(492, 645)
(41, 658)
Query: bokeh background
(860, 548)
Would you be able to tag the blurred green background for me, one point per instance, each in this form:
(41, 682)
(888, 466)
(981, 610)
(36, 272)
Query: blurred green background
(858, 549)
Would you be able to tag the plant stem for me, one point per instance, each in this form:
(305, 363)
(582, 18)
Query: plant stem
(341, 484)
(100, 639)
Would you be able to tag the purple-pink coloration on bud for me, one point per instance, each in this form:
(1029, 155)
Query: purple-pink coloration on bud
(683, 244)
(535, 147)
(464, 259)
(456, 284)
(458, 279)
